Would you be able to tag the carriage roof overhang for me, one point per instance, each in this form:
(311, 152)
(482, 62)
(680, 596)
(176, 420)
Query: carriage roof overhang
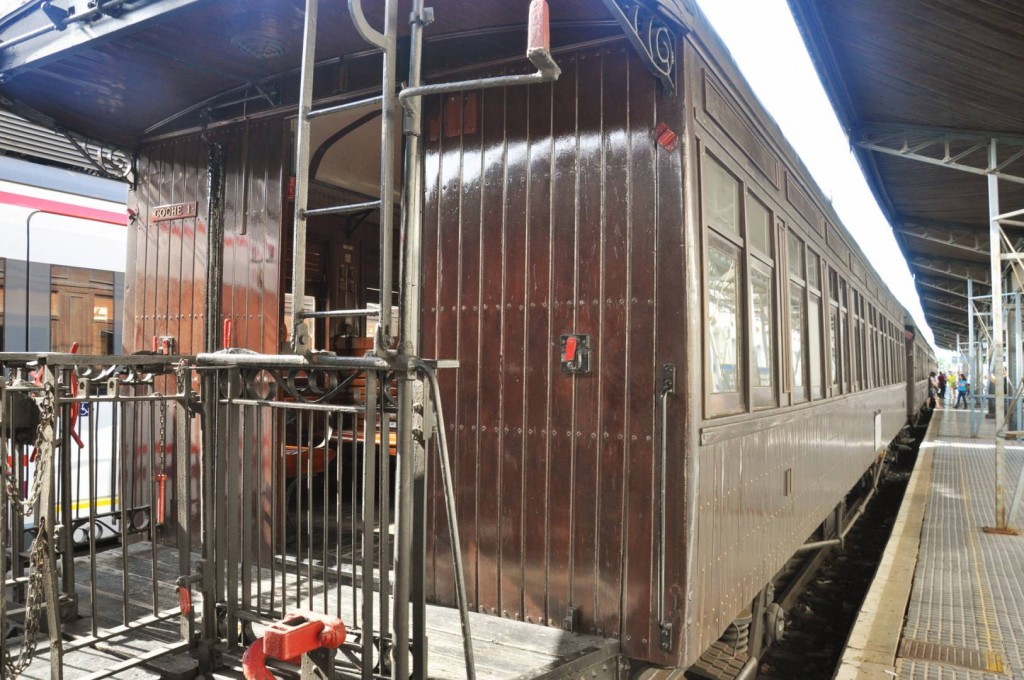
(931, 81)
(120, 71)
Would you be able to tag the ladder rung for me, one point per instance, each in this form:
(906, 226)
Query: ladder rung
(339, 312)
(342, 209)
(347, 106)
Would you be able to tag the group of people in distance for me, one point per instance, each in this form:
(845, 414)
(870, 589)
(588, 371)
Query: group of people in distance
(937, 385)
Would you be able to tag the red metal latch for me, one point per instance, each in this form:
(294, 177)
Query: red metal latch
(571, 343)
(298, 633)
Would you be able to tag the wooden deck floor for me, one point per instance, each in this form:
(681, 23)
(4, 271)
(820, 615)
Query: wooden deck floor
(503, 648)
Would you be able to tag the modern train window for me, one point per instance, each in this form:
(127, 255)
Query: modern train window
(725, 358)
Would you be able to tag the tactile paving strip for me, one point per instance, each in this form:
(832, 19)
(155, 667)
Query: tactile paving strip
(965, 620)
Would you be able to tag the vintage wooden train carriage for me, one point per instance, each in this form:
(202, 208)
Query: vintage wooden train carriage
(674, 362)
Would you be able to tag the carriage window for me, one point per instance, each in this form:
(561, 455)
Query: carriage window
(833, 337)
(814, 343)
(721, 197)
(763, 332)
(723, 321)
(796, 256)
(796, 339)
(759, 222)
(812, 270)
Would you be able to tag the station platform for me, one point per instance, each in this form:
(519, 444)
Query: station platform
(947, 601)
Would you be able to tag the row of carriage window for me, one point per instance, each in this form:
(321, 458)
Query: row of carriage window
(835, 340)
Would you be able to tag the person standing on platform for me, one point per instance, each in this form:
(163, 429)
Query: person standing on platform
(933, 390)
(942, 386)
(961, 391)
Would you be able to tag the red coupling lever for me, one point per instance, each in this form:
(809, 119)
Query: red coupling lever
(298, 633)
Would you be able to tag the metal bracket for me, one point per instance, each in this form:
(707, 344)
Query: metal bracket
(571, 620)
(652, 38)
(575, 354)
(665, 635)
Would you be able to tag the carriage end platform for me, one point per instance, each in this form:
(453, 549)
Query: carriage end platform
(948, 598)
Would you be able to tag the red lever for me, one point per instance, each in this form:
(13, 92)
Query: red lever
(227, 334)
(288, 639)
(571, 344)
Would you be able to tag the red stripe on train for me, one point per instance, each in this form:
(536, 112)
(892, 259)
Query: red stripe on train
(65, 209)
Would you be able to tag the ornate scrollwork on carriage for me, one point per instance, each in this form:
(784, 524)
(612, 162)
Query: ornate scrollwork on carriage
(652, 38)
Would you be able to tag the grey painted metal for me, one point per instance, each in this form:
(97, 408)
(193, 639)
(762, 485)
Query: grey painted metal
(37, 141)
(388, 112)
(27, 307)
(347, 106)
(445, 467)
(300, 332)
(900, 144)
(998, 330)
(82, 28)
(341, 209)
(968, 589)
(408, 573)
(214, 246)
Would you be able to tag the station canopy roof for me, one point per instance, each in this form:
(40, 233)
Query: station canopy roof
(922, 87)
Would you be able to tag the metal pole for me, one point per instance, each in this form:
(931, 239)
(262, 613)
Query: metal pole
(997, 332)
(387, 172)
(300, 333)
(214, 245)
(410, 453)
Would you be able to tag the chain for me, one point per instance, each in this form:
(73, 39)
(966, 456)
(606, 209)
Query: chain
(26, 507)
(39, 552)
(163, 433)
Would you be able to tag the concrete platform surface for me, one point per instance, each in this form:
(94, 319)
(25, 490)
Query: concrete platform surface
(947, 602)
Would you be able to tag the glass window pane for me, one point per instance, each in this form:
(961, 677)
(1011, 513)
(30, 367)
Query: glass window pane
(721, 197)
(814, 342)
(833, 324)
(759, 222)
(796, 334)
(796, 256)
(723, 321)
(812, 270)
(761, 344)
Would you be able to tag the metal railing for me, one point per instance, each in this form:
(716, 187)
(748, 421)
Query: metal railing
(304, 504)
(89, 447)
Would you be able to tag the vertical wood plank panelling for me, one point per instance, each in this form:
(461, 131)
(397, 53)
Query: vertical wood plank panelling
(556, 238)
(489, 482)
(513, 348)
(434, 191)
(612, 353)
(467, 451)
(538, 348)
(446, 243)
(638, 624)
(588, 321)
(671, 341)
(563, 293)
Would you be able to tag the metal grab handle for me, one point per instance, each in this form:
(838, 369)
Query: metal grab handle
(668, 388)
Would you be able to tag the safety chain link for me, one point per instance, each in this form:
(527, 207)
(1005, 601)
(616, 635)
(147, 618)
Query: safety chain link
(39, 552)
(27, 506)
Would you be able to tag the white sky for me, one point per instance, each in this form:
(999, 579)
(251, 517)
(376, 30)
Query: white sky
(767, 46)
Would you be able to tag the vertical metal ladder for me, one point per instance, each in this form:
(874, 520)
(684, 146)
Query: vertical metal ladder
(419, 394)
(387, 42)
